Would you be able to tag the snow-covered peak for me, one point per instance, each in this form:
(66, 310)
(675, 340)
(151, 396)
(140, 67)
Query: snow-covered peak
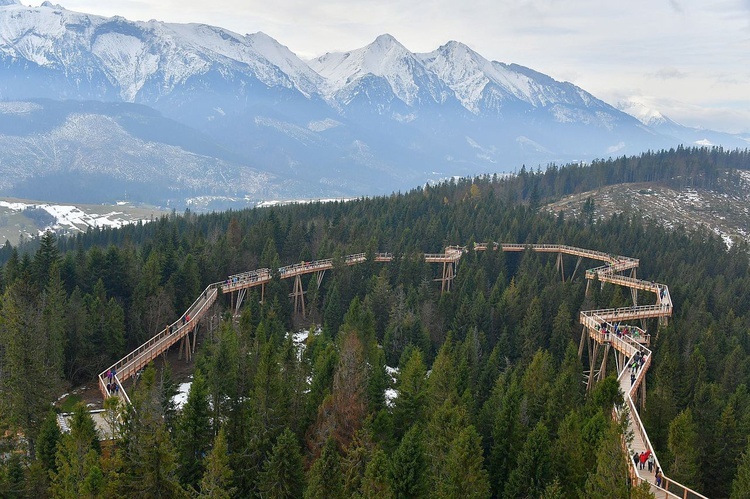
(386, 58)
(130, 54)
(382, 57)
(4, 3)
(308, 81)
(463, 70)
(643, 112)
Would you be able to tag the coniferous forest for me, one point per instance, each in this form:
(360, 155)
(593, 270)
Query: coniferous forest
(490, 400)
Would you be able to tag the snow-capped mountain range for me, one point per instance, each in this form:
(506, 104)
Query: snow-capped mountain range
(246, 115)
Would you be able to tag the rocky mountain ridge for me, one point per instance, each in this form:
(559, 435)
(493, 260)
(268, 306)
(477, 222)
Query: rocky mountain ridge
(367, 121)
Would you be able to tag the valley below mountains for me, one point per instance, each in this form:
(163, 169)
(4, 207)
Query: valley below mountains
(99, 110)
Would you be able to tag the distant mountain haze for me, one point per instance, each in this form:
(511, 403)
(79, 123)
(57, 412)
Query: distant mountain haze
(171, 113)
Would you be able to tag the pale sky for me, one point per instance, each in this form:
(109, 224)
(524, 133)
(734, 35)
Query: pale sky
(689, 59)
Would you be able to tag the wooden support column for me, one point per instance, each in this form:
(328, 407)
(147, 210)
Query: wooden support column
(560, 266)
(184, 348)
(448, 274)
(584, 341)
(592, 365)
(578, 263)
(240, 298)
(620, 362)
(195, 338)
(299, 296)
(588, 287)
(643, 393)
(603, 367)
(633, 290)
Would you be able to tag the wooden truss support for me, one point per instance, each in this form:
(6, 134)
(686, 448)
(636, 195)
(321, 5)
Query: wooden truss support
(663, 321)
(449, 272)
(299, 296)
(559, 266)
(634, 290)
(592, 364)
(319, 277)
(186, 348)
(620, 361)
(584, 341)
(643, 393)
(603, 367)
(240, 298)
(578, 263)
(588, 288)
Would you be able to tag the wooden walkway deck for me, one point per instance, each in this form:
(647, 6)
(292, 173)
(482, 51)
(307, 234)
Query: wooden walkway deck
(600, 328)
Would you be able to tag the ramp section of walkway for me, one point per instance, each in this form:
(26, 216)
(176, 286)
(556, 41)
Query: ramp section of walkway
(603, 327)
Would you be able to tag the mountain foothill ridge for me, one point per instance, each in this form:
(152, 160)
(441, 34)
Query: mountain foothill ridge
(370, 120)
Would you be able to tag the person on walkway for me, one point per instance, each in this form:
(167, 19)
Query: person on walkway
(659, 477)
(644, 458)
(109, 375)
(632, 379)
(651, 463)
(636, 458)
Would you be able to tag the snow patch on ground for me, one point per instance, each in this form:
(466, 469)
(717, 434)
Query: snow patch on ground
(266, 204)
(390, 397)
(180, 399)
(322, 125)
(391, 394)
(71, 217)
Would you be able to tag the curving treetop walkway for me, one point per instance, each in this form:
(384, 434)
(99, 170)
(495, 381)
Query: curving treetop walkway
(605, 330)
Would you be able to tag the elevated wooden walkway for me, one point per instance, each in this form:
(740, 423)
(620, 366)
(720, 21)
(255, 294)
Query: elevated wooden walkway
(603, 329)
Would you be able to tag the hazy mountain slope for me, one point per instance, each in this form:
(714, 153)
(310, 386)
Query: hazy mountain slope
(96, 152)
(367, 121)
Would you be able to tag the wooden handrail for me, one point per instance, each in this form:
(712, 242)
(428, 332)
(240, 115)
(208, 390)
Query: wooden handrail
(597, 322)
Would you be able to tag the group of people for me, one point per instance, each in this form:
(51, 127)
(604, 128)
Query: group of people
(643, 459)
(113, 387)
(619, 331)
(636, 363)
(646, 459)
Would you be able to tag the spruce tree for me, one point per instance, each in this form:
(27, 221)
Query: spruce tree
(741, 483)
(412, 389)
(408, 467)
(376, 482)
(217, 479)
(149, 459)
(193, 433)
(78, 471)
(611, 476)
(49, 436)
(533, 470)
(465, 473)
(683, 447)
(324, 479)
(283, 475)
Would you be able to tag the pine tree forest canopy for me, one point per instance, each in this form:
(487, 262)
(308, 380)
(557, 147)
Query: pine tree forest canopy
(489, 401)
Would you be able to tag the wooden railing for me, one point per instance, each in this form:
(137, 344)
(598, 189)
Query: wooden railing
(599, 323)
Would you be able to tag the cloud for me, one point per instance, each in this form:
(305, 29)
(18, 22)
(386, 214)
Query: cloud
(667, 74)
(677, 7)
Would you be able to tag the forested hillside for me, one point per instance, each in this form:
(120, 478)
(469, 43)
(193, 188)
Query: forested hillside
(488, 380)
